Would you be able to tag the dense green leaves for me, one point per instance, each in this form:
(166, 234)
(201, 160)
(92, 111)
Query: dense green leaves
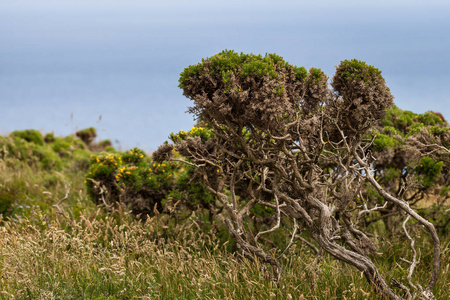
(357, 70)
(384, 142)
(203, 133)
(429, 170)
(410, 160)
(29, 135)
(130, 178)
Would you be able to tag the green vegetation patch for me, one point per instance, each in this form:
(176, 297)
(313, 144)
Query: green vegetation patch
(29, 135)
(429, 170)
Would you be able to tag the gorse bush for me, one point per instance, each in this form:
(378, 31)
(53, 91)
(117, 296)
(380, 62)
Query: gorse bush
(48, 153)
(143, 184)
(92, 254)
(189, 189)
(281, 176)
(203, 133)
(429, 170)
(404, 121)
(64, 146)
(49, 137)
(33, 154)
(30, 135)
(31, 166)
(130, 178)
(87, 135)
(283, 139)
(411, 162)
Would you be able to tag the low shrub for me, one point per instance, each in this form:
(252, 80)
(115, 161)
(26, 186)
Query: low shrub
(49, 138)
(87, 135)
(130, 178)
(30, 135)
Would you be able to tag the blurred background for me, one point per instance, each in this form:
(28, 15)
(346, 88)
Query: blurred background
(114, 65)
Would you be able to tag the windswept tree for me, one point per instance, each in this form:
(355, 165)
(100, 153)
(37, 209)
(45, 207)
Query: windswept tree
(282, 138)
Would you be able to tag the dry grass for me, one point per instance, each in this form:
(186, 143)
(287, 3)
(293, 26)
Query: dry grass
(115, 257)
(91, 255)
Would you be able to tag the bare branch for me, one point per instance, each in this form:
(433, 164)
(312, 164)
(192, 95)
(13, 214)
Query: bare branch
(405, 207)
(277, 225)
(292, 239)
(232, 185)
(414, 262)
(366, 210)
(184, 161)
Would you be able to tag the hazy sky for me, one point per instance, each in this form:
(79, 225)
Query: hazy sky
(122, 59)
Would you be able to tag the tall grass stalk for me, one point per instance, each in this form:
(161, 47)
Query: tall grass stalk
(116, 257)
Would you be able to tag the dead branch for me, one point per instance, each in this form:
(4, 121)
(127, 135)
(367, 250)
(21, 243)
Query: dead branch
(414, 261)
(405, 207)
(277, 225)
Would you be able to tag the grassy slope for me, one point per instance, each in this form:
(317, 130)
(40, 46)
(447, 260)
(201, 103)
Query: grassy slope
(87, 254)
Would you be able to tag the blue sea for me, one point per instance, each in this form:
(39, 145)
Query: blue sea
(68, 65)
